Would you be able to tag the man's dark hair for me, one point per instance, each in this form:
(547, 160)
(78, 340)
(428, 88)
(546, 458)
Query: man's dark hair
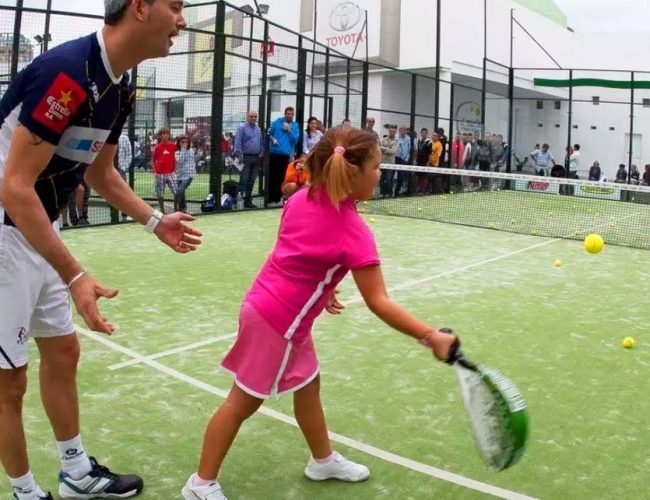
(114, 10)
(289, 108)
(424, 128)
(576, 147)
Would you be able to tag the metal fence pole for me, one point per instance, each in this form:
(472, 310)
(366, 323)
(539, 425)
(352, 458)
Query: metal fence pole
(263, 111)
(567, 163)
(301, 86)
(347, 89)
(131, 125)
(630, 154)
(327, 119)
(483, 97)
(15, 51)
(364, 93)
(218, 82)
(46, 37)
(511, 112)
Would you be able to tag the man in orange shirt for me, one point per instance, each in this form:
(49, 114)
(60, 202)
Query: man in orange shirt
(434, 161)
(295, 178)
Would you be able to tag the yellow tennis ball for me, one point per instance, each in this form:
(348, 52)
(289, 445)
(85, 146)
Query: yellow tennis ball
(390, 212)
(419, 209)
(513, 221)
(491, 225)
(628, 342)
(534, 232)
(557, 262)
(372, 219)
(594, 243)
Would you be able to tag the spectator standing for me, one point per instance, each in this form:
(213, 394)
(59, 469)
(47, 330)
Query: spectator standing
(574, 161)
(185, 170)
(389, 145)
(249, 148)
(634, 175)
(370, 127)
(311, 135)
(403, 157)
(283, 136)
(164, 166)
(646, 175)
(594, 172)
(543, 159)
(434, 161)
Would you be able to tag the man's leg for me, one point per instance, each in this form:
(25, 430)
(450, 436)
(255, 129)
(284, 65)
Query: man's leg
(250, 182)
(243, 176)
(13, 447)
(58, 382)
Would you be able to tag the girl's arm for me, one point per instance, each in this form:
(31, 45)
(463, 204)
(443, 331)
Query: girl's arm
(370, 282)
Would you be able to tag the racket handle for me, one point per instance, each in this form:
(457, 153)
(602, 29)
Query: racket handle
(456, 355)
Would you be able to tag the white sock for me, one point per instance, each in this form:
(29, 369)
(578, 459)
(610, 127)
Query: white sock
(26, 485)
(74, 460)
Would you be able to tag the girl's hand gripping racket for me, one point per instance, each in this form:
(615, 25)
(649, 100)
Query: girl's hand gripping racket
(495, 408)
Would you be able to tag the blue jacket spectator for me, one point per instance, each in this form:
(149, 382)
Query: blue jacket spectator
(283, 135)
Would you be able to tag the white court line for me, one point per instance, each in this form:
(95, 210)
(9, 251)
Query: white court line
(352, 443)
(409, 284)
(184, 348)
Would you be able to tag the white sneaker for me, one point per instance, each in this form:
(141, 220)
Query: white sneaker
(338, 467)
(210, 491)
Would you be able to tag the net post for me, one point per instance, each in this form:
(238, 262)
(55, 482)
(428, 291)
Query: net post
(570, 124)
(218, 81)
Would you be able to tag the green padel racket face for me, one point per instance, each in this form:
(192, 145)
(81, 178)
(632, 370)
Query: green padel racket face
(497, 414)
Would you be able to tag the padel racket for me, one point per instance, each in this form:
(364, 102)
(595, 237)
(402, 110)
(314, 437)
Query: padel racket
(495, 408)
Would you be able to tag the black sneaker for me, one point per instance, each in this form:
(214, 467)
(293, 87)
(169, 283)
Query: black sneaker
(21, 494)
(100, 482)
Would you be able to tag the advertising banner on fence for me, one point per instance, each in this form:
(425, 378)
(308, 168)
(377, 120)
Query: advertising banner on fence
(540, 186)
(607, 192)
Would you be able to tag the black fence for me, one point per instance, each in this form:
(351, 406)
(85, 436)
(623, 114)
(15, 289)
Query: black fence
(230, 60)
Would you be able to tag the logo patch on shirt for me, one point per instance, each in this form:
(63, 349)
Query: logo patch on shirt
(60, 103)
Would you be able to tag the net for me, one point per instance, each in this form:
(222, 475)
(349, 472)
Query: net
(540, 206)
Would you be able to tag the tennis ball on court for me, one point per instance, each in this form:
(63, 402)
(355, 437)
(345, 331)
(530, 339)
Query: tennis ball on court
(513, 221)
(628, 342)
(361, 211)
(491, 225)
(390, 212)
(550, 213)
(372, 219)
(594, 243)
(419, 209)
(365, 202)
(557, 262)
(534, 232)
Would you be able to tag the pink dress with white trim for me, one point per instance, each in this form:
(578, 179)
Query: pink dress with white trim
(316, 247)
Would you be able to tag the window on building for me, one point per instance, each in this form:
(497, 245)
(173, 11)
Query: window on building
(540, 104)
(558, 104)
(595, 100)
(646, 103)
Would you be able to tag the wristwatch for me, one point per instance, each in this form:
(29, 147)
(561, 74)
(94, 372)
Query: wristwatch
(154, 220)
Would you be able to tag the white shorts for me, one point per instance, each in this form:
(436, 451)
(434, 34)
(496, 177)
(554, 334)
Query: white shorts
(34, 301)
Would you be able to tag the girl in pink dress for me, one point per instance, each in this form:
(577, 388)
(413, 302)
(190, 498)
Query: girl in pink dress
(321, 238)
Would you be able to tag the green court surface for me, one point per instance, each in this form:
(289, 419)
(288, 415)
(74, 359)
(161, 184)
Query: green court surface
(556, 331)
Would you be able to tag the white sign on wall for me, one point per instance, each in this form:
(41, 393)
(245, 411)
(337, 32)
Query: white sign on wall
(340, 25)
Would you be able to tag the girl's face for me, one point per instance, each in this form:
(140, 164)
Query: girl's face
(313, 125)
(368, 176)
(184, 144)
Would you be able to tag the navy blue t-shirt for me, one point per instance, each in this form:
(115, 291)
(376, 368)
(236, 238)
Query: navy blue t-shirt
(69, 98)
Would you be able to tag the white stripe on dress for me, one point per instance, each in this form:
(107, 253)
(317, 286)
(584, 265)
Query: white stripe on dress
(312, 300)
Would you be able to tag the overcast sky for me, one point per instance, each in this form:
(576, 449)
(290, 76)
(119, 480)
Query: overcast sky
(613, 16)
(584, 16)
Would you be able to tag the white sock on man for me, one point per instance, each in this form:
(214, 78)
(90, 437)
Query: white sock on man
(74, 460)
(26, 485)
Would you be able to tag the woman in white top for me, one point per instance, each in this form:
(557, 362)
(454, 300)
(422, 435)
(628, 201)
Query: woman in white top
(311, 136)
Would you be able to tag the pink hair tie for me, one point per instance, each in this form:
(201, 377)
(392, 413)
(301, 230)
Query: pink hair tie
(340, 150)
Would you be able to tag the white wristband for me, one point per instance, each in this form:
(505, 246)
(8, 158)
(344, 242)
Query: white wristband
(77, 277)
(153, 221)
